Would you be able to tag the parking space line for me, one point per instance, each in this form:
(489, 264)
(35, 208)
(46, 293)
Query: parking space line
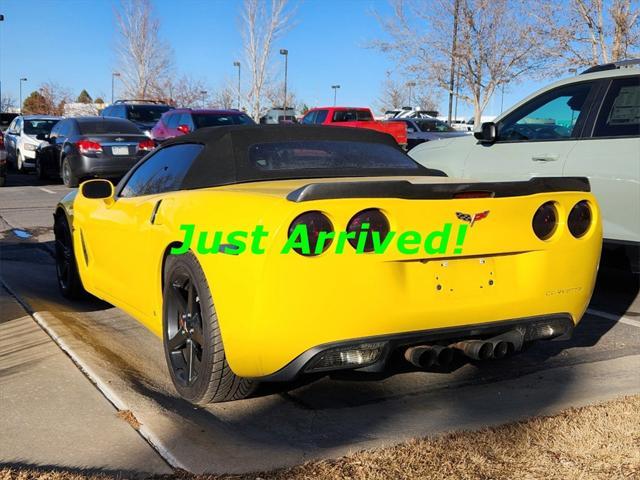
(46, 190)
(610, 316)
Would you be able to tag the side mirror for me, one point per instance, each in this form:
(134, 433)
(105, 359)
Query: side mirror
(97, 189)
(487, 133)
(184, 128)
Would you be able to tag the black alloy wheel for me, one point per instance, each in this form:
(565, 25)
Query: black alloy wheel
(69, 281)
(192, 340)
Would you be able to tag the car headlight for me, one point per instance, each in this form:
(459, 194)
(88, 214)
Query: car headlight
(30, 146)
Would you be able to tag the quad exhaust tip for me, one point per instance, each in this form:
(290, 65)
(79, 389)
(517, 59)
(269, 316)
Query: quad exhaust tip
(475, 349)
(426, 356)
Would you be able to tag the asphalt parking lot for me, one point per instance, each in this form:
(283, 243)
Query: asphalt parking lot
(323, 417)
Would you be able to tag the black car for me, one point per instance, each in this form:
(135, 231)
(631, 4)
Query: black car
(144, 113)
(85, 147)
(420, 130)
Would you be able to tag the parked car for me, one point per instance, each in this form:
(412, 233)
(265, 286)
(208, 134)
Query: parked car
(85, 147)
(5, 120)
(181, 121)
(21, 139)
(279, 115)
(585, 125)
(355, 117)
(144, 113)
(322, 286)
(3, 161)
(420, 130)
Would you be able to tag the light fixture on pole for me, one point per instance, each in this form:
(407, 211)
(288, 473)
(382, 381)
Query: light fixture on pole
(411, 85)
(285, 52)
(203, 93)
(237, 64)
(113, 76)
(335, 91)
(24, 79)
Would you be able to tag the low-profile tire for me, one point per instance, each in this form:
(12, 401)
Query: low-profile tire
(69, 281)
(191, 335)
(68, 177)
(41, 172)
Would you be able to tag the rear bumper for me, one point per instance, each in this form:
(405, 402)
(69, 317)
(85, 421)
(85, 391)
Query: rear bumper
(84, 166)
(545, 327)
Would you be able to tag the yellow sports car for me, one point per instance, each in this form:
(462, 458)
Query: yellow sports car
(261, 253)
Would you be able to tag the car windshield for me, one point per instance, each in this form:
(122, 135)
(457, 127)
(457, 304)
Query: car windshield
(38, 127)
(202, 120)
(332, 156)
(146, 113)
(108, 125)
(433, 125)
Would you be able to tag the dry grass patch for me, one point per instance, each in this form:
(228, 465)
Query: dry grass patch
(596, 442)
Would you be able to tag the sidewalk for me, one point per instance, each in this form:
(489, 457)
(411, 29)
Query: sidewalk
(51, 413)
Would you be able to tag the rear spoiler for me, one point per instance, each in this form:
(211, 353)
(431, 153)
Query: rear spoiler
(436, 191)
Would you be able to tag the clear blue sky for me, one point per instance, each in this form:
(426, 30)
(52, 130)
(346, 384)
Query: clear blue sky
(70, 42)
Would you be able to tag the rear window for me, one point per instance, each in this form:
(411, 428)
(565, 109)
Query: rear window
(433, 126)
(146, 113)
(37, 127)
(328, 156)
(352, 116)
(203, 120)
(107, 125)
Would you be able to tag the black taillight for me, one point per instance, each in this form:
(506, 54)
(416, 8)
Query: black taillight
(579, 219)
(314, 223)
(545, 221)
(364, 223)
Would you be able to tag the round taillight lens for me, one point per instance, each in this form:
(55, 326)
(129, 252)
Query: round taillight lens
(365, 223)
(579, 219)
(545, 221)
(315, 223)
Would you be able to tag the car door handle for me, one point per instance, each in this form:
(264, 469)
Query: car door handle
(545, 157)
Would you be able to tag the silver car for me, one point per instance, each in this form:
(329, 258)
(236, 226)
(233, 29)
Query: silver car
(23, 136)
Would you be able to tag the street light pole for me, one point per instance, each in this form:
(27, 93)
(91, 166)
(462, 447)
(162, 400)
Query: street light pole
(456, 8)
(285, 52)
(237, 64)
(1, 20)
(113, 76)
(335, 91)
(24, 79)
(203, 93)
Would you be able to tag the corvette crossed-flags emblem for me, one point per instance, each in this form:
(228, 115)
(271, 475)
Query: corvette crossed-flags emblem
(471, 219)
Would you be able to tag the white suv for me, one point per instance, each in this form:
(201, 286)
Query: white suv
(588, 125)
(23, 136)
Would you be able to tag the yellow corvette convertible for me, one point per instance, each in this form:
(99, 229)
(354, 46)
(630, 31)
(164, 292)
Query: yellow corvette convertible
(262, 253)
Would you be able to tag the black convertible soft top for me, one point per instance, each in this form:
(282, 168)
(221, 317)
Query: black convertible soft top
(225, 158)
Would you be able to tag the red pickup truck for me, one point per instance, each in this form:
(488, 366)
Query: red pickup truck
(355, 117)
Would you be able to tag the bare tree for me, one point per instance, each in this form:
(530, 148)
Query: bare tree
(7, 102)
(394, 94)
(496, 44)
(184, 91)
(226, 97)
(274, 96)
(55, 97)
(262, 23)
(591, 32)
(145, 61)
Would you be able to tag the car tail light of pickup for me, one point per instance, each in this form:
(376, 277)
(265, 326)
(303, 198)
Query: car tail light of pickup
(89, 146)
